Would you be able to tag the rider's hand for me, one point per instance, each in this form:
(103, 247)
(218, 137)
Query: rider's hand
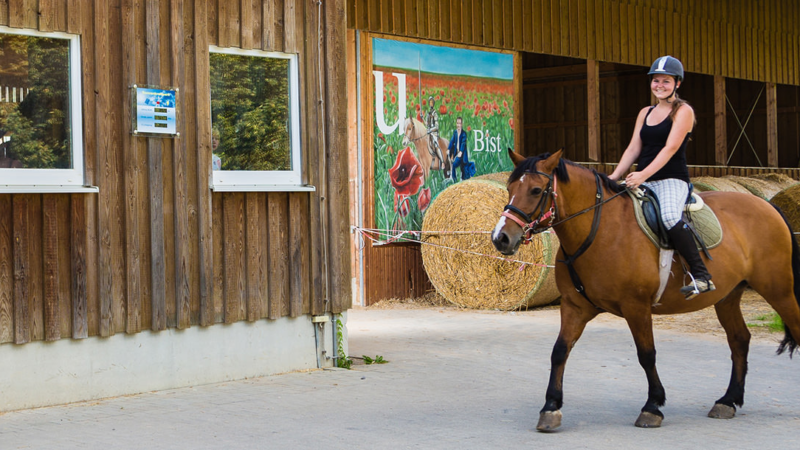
(635, 179)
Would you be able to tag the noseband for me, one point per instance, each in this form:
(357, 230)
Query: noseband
(529, 226)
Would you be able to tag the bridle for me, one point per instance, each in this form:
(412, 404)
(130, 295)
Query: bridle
(529, 225)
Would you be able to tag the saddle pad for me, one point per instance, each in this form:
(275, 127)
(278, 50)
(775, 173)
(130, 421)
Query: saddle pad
(704, 221)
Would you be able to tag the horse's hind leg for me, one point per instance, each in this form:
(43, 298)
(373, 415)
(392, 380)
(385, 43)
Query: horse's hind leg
(573, 321)
(640, 322)
(730, 317)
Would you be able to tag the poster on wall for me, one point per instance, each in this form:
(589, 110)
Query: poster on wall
(154, 111)
(442, 115)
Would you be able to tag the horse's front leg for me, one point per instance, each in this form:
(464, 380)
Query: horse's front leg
(640, 322)
(573, 321)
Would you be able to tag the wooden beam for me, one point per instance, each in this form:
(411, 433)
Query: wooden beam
(593, 106)
(720, 118)
(772, 125)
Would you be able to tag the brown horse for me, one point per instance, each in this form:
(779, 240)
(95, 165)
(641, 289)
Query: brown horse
(416, 132)
(615, 269)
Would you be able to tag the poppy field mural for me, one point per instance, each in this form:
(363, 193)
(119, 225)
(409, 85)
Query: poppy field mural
(420, 92)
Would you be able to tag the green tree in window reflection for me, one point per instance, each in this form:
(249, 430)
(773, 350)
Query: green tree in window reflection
(37, 127)
(250, 108)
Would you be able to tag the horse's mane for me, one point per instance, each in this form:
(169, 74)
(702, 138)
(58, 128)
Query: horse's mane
(529, 165)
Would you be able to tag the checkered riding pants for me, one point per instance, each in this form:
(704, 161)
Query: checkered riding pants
(672, 194)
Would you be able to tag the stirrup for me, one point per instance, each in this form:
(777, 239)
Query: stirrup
(697, 287)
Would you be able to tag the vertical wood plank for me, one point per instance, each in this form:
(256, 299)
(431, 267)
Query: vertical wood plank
(46, 13)
(180, 181)
(268, 26)
(591, 37)
(22, 306)
(290, 26)
(519, 107)
(593, 108)
(255, 272)
(203, 129)
(52, 317)
(278, 211)
(16, 13)
(526, 25)
(720, 120)
(156, 179)
(133, 320)
(4, 18)
(6, 270)
(772, 124)
(74, 17)
(298, 261)
(218, 261)
(80, 322)
(105, 165)
(234, 255)
(246, 21)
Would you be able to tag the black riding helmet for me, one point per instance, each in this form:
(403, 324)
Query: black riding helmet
(667, 65)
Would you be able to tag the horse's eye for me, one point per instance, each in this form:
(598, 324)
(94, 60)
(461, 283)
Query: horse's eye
(536, 191)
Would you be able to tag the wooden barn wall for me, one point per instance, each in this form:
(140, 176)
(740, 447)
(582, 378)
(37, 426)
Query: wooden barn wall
(746, 39)
(156, 248)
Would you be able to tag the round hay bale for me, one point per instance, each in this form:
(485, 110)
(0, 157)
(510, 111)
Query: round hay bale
(781, 179)
(500, 177)
(457, 265)
(763, 188)
(788, 200)
(717, 184)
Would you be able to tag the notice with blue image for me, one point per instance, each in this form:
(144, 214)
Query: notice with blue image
(155, 111)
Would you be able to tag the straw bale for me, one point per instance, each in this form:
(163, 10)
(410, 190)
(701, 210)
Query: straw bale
(500, 177)
(717, 184)
(781, 179)
(476, 281)
(765, 189)
(788, 200)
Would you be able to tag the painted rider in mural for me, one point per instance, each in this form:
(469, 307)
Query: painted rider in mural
(432, 124)
(457, 151)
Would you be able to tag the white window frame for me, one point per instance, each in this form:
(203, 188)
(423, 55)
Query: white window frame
(268, 180)
(55, 180)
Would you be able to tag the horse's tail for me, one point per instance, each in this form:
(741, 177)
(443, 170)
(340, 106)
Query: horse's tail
(789, 342)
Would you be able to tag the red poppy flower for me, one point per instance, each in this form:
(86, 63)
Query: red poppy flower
(443, 110)
(380, 136)
(394, 99)
(441, 93)
(505, 104)
(458, 108)
(511, 123)
(424, 199)
(406, 174)
(416, 107)
(469, 128)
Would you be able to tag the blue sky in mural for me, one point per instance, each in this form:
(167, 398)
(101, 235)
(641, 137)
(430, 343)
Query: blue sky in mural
(445, 60)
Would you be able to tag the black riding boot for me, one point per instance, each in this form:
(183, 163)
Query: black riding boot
(683, 241)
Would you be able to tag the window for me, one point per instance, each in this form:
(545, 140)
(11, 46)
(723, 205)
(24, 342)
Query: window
(255, 120)
(41, 145)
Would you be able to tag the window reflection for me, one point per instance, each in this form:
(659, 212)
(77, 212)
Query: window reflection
(34, 103)
(250, 113)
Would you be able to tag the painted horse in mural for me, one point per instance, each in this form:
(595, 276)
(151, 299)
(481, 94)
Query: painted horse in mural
(417, 133)
(614, 269)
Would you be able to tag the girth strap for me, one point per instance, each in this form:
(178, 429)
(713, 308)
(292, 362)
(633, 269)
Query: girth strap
(570, 259)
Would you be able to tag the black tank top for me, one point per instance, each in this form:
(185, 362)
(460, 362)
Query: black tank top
(654, 138)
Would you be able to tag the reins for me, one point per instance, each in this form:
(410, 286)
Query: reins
(530, 228)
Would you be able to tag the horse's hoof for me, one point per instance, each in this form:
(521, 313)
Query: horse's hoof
(549, 420)
(648, 420)
(720, 411)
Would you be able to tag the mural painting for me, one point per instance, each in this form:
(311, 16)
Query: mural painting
(442, 115)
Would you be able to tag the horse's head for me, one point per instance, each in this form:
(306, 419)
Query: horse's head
(408, 131)
(531, 201)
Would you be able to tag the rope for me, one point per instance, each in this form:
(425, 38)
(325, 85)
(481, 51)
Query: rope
(368, 233)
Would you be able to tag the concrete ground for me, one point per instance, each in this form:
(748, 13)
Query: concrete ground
(455, 380)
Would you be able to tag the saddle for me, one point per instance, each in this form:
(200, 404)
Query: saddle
(697, 214)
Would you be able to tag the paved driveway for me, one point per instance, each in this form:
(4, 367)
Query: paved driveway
(456, 380)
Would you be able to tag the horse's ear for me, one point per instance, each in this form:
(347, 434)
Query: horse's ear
(550, 164)
(516, 158)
